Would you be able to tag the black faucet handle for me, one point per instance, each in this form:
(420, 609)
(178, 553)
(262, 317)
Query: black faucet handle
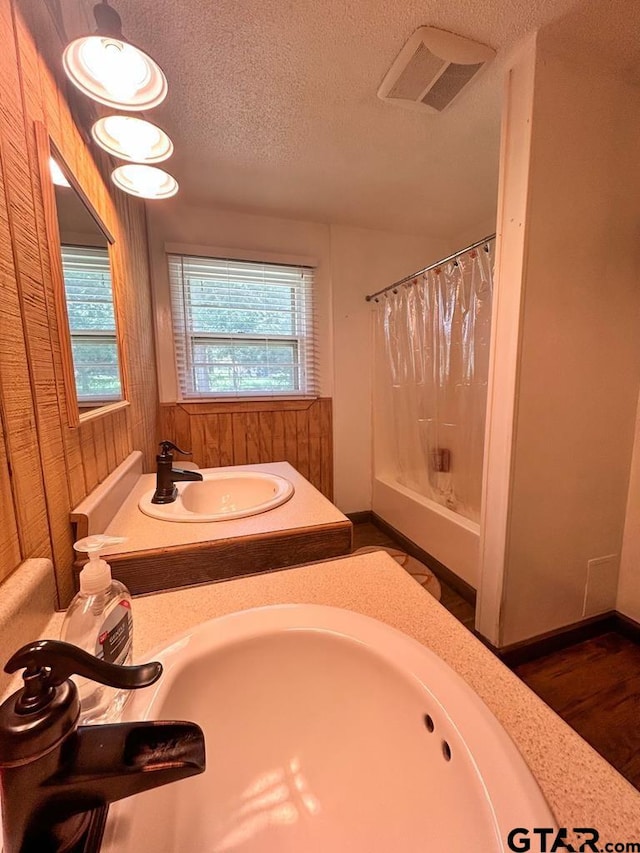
(168, 446)
(48, 663)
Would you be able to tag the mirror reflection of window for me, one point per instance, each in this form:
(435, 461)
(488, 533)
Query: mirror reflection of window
(89, 298)
(87, 284)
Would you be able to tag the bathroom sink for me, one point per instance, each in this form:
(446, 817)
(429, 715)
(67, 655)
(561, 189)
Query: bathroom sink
(325, 731)
(220, 496)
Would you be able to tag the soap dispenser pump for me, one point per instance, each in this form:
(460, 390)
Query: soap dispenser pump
(99, 620)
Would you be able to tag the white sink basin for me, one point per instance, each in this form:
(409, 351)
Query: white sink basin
(220, 496)
(325, 731)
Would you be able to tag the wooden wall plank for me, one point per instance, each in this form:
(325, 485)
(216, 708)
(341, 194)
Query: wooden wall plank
(239, 423)
(315, 448)
(278, 437)
(291, 438)
(225, 439)
(9, 542)
(302, 443)
(253, 438)
(326, 446)
(265, 436)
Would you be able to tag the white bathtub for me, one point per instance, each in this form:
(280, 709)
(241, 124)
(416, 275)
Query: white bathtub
(451, 538)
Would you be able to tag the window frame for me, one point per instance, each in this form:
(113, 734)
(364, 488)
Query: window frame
(306, 342)
(109, 336)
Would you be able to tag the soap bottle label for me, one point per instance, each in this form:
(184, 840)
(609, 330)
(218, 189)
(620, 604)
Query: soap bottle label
(114, 639)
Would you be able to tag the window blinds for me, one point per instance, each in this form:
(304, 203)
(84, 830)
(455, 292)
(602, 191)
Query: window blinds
(87, 285)
(242, 328)
(88, 291)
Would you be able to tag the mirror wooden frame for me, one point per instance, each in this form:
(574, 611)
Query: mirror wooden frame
(47, 147)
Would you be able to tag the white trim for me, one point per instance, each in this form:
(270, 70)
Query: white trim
(236, 254)
(504, 368)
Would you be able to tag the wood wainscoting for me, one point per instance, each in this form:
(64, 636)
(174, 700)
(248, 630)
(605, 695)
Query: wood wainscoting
(249, 432)
(46, 467)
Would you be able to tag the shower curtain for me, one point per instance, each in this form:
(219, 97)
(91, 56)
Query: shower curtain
(433, 336)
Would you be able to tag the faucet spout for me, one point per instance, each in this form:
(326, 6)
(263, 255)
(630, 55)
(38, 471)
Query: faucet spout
(98, 765)
(179, 475)
(111, 762)
(57, 778)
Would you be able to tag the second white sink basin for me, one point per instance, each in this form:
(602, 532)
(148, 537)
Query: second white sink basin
(325, 731)
(220, 496)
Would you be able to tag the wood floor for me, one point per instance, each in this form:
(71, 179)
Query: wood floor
(594, 685)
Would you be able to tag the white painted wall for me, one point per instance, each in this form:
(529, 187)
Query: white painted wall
(362, 261)
(568, 412)
(351, 263)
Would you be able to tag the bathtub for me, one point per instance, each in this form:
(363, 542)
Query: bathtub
(449, 537)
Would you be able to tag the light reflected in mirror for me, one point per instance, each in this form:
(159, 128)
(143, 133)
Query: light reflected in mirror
(86, 270)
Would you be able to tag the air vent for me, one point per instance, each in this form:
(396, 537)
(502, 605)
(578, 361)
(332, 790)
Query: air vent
(432, 69)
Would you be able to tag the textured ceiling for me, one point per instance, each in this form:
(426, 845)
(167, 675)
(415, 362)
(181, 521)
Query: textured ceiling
(272, 107)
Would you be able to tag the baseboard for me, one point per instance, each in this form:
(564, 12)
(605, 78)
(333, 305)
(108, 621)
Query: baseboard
(554, 641)
(441, 571)
(363, 517)
(525, 650)
(628, 627)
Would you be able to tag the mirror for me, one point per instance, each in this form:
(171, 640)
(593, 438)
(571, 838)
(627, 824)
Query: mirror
(80, 249)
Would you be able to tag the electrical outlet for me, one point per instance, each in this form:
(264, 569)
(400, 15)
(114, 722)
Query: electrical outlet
(602, 585)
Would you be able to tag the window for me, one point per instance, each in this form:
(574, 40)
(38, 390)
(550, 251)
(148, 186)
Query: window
(242, 328)
(87, 285)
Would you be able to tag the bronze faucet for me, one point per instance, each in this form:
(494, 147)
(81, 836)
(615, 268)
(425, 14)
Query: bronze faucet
(57, 778)
(167, 475)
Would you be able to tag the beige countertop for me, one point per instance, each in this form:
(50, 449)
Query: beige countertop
(582, 789)
(306, 508)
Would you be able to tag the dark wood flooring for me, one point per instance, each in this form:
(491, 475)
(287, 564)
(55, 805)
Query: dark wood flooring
(366, 533)
(594, 685)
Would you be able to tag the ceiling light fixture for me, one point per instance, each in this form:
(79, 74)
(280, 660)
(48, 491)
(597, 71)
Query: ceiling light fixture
(132, 139)
(144, 181)
(107, 68)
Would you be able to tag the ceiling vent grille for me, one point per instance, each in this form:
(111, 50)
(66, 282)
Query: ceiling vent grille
(432, 69)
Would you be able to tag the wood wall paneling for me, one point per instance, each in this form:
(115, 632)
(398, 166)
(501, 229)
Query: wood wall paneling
(245, 432)
(46, 467)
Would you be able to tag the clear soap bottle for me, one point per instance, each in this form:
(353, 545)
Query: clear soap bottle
(99, 620)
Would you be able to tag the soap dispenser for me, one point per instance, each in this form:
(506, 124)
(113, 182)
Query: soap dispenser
(99, 620)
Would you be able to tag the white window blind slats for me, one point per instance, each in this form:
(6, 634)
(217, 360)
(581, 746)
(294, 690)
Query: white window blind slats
(87, 284)
(88, 291)
(242, 328)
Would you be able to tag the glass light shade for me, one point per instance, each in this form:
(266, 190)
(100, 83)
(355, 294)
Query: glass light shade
(132, 139)
(144, 181)
(115, 73)
(57, 175)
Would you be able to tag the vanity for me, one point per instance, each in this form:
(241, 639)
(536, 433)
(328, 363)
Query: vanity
(581, 788)
(160, 553)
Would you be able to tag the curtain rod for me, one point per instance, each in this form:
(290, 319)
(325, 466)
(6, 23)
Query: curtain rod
(430, 267)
